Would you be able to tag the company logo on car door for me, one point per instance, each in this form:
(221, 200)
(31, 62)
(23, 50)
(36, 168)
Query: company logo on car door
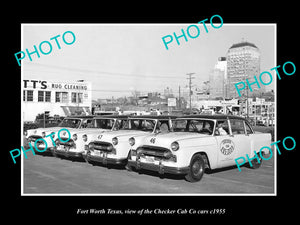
(227, 147)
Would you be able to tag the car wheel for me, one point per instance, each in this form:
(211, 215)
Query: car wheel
(255, 163)
(196, 169)
(128, 168)
(54, 154)
(85, 159)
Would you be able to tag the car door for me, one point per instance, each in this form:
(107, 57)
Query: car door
(241, 137)
(255, 142)
(226, 151)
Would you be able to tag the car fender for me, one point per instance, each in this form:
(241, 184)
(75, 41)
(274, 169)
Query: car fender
(207, 146)
(258, 141)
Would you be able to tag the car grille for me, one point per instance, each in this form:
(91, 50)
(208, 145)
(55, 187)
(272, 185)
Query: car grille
(68, 143)
(102, 146)
(33, 138)
(155, 151)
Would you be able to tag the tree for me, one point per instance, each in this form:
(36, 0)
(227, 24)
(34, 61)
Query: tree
(135, 96)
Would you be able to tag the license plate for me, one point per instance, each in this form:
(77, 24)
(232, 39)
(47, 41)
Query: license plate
(100, 153)
(61, 148)
(149, 159)
(97, 153)
(39, 146)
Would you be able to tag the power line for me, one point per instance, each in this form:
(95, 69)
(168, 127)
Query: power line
(107, 73)
(110, 90)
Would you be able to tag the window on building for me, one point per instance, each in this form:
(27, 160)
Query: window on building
(47, 96)
(40, 96)
(64, 97)
(79, 97)
(73, 99)
(44, 96)
(28, 95)
(57, 96)
(61, 97)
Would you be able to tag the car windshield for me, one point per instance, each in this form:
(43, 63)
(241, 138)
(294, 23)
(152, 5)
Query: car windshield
(102, 123)
(193, 125)
(139, 124)
(70, 122)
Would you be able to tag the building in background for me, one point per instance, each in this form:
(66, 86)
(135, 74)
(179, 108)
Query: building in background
(218, 79)
(59, 98)
(243, 62)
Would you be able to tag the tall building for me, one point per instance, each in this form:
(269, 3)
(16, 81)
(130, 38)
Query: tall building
(218, 79)
(243, 62)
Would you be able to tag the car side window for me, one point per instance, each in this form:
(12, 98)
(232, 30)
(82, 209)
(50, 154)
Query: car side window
(148, 125)
(118, 124)
(222, 127)
(237, 126)
(135, 124)
(164, 127)
(195, 125)
(248, 128)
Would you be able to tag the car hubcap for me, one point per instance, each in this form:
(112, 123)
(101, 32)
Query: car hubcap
(196, 168)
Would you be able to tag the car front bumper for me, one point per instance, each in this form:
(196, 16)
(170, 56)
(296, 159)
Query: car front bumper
(41, 147)
(68, 153)
(105, 160)
(160, 168)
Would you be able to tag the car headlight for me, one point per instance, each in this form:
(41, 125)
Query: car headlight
(175, 146)
(43, 134)
(74, 137)
(131, 141)
(114, 141)
(133, 152)
(25, 133)
(84, 137)
(91, 145)
(57, 142)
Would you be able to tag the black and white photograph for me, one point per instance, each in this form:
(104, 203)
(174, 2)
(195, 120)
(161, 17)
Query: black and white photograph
(150, 115)
(143, 109)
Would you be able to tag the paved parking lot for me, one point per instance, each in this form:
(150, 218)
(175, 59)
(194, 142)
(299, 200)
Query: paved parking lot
(50, 175)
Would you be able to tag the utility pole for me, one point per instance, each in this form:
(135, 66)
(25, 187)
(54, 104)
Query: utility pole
(190, 88)
(179, 98)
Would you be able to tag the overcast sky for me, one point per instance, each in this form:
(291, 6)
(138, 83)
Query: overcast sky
(119, 58)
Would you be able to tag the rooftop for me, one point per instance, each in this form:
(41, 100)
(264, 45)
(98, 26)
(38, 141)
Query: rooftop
(111, 117)
(79, 116)
(161, 117)
(242, 44)
(218, 116)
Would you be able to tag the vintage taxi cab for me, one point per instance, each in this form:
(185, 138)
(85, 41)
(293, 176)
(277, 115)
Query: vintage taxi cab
(71, 122)
(74, 147)
(198, 142)
(113, 147)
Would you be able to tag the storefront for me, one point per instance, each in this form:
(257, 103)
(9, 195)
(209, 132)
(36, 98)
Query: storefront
(62, 98)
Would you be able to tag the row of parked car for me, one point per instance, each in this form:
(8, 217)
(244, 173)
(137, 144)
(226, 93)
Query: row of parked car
(167, 144)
